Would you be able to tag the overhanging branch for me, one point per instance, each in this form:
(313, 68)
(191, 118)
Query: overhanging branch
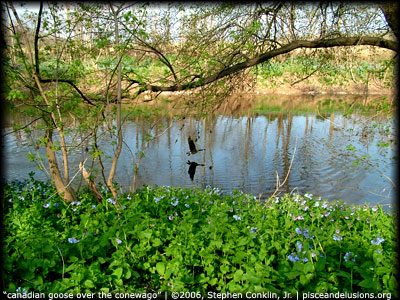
(323, 43)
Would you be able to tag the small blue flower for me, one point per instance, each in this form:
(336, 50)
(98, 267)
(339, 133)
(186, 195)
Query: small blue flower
(292, 257)
(237, 218)
(129, 197)
(111, 201)
(187, 205)
(305, 259)
(73, 240)
(118, 241)
(47, 205)
(299, 245)
(325, 205)
(306, 235)
(253, 229)
(309, 196)
(377, 241)
(175, 203)
(374, 208)
(56, 204)
(24, 291)
(158, 199)
(170, 218)
(298, 230)
(93, 206)
(322, 256)
(350, 256)
(337, 237)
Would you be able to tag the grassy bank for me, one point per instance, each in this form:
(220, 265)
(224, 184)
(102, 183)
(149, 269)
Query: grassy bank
(358, 70)
(174, 239)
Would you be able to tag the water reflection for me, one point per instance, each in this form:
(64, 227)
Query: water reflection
(337, 156)
(192, 168)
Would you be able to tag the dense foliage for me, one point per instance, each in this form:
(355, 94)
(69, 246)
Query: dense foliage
(175, 239)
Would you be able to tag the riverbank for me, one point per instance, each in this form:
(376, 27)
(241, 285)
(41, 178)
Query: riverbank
(178, 239)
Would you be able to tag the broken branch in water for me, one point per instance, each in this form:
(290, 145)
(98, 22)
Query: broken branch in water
(278, 184)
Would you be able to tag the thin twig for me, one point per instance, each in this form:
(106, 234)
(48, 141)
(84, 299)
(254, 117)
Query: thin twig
(279, 185)
(59, 250)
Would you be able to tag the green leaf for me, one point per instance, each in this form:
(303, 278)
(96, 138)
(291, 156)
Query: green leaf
(243, 241)
(157, 242)
(89, 284)
(224, 269)
(308, 267)
(101, 260)
(118, 272)
(382, 270)
(238, 275)
(160, 266)
(367, 283)
(292, 275)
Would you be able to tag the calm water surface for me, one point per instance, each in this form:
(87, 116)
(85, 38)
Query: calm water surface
(244, 152)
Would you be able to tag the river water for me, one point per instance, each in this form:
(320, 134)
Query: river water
(335, 155)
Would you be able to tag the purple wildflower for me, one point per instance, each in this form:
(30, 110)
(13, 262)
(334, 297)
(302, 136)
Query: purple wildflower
(298, 230)
(118, 241)
(237, 218)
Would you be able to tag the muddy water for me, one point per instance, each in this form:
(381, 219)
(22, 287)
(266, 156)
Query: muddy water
(333, 154)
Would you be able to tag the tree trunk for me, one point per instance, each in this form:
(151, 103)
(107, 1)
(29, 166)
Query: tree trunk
(119, 125)
(65, 192)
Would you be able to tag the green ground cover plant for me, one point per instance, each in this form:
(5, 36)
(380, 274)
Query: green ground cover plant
(178, 239)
